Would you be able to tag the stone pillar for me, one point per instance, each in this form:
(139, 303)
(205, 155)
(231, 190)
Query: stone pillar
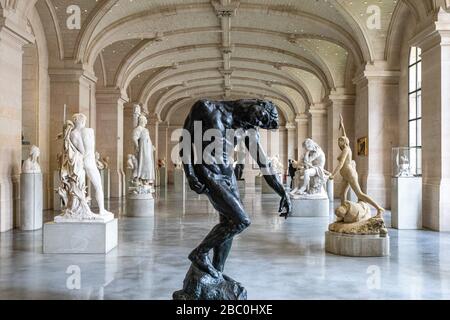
(376, 117)
(340, 104)
(74, 88)
(110, 138)
(153, 127)
(291, 140)
(127, 146)
(436, 125)
(302, 133)
(318, 124)
(11, 43)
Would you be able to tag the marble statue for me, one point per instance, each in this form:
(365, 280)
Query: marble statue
(105, 162)
(277, 165)
(98, 162)
(31, 165)
(76, 161)
(404, 168)
(215, 178)
(311, 177)
(161, 163)
(347, 169)
(354, 218)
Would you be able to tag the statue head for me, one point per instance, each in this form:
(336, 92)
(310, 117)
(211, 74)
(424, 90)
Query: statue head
(142, 121)
(34, 152)
(250, 114)
(343, 142)
(79, 120)
(310, 145)
(342, 210)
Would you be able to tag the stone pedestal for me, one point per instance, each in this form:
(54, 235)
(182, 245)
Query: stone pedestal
(31, 198)
(56, 197)
(80, 237)
(106, 180)
(357, 245)
(310, 208)
(179, 180)
(330, 190)
(406, 203)
(140, 205)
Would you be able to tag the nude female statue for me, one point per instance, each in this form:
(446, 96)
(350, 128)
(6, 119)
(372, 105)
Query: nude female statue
(214, 176)
(347, 169)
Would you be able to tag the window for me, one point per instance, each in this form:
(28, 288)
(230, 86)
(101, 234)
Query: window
(415, 110)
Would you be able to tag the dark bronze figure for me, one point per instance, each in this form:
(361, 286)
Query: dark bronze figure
(214, 176)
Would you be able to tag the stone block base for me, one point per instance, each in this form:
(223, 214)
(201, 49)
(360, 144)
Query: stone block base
(357, 245)
(406, 203)
(31, 201)
(140, 206)
(312, 208)
(80, 237)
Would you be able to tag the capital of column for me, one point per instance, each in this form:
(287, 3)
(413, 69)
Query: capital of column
(154, 119)
(376, 72)
(75, 74)
(342, 98)
(12, 31)
(318, 109)
(290, 126)
(436, 33)
(301, 119)
(112, 94)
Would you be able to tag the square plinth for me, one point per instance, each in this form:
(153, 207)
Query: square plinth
(407, 203)
(357, 245)
(80, 237)
(310, 208)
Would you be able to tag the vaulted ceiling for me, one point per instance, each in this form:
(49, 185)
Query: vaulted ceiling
(167, 53)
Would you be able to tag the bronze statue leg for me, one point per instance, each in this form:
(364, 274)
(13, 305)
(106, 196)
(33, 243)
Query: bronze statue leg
(233, 221)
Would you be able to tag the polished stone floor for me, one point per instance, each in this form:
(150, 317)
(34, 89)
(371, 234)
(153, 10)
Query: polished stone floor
(274, 258)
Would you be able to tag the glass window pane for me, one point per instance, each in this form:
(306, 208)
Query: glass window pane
(419, 104)
(412, 106)
(413, 160)
(413, 56)
(419, 54)
(412, 78)
(419, 75)
(412, 133)
(419, 133)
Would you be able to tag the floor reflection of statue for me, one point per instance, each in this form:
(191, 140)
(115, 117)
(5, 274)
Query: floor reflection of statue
(311, 175)
(216, 179)
(347, 169)
(77, 160)
(144, 152)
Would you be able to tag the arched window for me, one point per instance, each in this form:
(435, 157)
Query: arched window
(415, 110)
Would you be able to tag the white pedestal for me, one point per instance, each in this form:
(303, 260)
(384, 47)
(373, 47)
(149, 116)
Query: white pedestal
(357, 245)
(80, 237)
(330, 190)
(140, 205)
(179, 180)
(162, 177)
(406, 203)
(31, 198)
(310, 208)
(56, 197)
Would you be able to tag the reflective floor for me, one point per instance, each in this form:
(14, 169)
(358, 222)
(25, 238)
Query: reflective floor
(273, 259)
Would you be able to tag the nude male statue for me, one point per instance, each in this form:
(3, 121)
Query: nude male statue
(217, 180)
(84, 140)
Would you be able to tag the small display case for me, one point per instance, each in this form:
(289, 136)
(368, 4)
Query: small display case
(404, 162)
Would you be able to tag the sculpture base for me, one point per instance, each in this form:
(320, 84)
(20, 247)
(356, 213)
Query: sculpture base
(31, 201)
(141, 205)
(80, 237)
(406, 198)
(310, 208)
(199, 285)
(357, 245)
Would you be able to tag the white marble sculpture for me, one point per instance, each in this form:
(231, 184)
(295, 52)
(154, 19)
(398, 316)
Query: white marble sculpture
(31, 165)
(142, 164)
(311, 177)
(132, 165)
(404, 168)
(78, 160)
(277, 165)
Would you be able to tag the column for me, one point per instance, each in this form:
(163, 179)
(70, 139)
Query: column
(302, 133)
(75, 88)
(110, 139)
(11, 43)
(376, 117)
(318, 124)
(436, 125)
(291, 140)
(340, 104)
